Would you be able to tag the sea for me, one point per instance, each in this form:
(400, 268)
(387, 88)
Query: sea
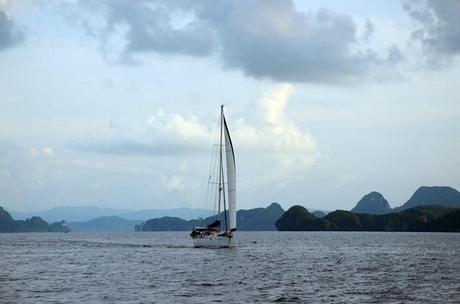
(265, 267)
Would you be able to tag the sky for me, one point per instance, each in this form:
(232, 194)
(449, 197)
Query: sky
(115, 103)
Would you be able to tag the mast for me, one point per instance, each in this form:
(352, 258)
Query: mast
(221, 167)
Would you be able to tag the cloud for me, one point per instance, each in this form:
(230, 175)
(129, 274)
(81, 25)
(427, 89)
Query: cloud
(275, 139)
(186, 129)
(262, 38)
(44, 151)
(293, 149)
(137, 148)
(177, 183)
(24, 169)
(369, 29)
(10, 34)
(48, 151)
(7, 147)
(438, 25)
(271, 39)
(147, 26)
(162, 134)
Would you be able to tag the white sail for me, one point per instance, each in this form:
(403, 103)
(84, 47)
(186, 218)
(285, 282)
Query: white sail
(212, 235)
(231, 177)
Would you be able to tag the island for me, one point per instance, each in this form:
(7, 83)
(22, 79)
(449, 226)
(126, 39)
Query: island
(257, 219)
(421, 219)
(34, 224)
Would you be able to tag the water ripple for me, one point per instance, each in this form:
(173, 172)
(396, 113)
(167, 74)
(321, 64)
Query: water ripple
(266, 267)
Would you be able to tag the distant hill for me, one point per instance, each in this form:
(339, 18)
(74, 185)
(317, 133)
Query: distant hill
(105, 224)
(372, 203)
(34, 224)
(86, 213)
(375, 203)
(258, 219)
(168, 223)
(319, 214)
(421, 218)
(433, 196)
(298, 218)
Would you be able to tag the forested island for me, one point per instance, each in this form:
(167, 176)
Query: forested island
(430, 209)
(257, 219)
(422, 218)
(34, 224)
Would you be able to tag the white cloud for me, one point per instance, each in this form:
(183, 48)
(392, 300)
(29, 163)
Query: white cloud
(176, 183)
(185, 128)
(5, 4)
(43, 151)
(33, 152)
(48, 151)
(287, 138)
(276, 139)
(275, 103)
(291, 149)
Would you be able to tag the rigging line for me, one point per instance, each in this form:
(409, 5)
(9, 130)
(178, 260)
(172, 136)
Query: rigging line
(215, 199)
(210, 199)
(206, 198)
(214, 171)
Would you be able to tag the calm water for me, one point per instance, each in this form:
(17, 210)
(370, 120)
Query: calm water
(266, 267)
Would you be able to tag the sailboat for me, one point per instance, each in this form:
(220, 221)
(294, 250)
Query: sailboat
(221, 232)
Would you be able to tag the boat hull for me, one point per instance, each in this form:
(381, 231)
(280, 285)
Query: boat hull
(214, 241)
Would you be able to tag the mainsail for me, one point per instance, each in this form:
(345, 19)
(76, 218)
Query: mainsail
(231, 176)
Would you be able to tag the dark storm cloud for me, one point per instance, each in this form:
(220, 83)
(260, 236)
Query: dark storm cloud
(136, 148)
(263, 38)
(439, 25)
(10, 34)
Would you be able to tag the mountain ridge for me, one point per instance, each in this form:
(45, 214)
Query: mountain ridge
(432, 196)
(256, 219)
(34, 224)
(417, 219)
(86, 213)
(375, 203)
(105, 224)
